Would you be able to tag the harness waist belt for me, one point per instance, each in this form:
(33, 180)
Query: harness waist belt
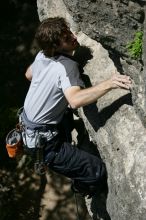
(35, 126)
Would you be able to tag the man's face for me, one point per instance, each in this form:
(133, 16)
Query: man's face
(68, 42)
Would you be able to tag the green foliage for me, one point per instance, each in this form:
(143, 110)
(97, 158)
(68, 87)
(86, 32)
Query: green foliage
(135, 47)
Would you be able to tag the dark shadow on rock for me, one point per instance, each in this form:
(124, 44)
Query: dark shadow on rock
(82, 55)
(115, 57)
(83, 140)
(91, 113)
(141, 3)
(97, 118)
(108, 111)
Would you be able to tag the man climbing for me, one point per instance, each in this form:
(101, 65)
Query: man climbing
(55, 85)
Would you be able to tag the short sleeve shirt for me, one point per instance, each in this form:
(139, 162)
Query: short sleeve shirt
(45, 101)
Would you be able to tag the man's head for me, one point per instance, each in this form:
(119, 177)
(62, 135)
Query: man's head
(54, 35)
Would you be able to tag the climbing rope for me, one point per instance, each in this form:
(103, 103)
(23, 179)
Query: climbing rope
(77, 210)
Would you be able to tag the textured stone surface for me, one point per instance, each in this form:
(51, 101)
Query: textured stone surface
(121, 140)
(54, 8)
(113, 123)
(113, 23)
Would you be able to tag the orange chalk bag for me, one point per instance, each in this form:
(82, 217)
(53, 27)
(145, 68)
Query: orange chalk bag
(14, 143)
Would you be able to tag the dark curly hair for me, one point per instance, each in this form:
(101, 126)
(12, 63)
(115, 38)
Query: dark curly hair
(49, 33)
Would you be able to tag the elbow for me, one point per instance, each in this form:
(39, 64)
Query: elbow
(73, 97)
(74, 104)
(28, 77)
(28, 74)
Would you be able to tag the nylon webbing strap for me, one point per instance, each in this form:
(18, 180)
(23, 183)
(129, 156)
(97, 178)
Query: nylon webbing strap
(35, 126)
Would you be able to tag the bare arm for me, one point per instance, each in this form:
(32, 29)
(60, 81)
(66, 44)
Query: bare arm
(28, 73)
(78, 97)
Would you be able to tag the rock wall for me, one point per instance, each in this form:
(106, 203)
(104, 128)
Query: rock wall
(116, 123)
(113, 23)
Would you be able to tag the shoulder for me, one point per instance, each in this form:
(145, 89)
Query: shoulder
(42, 61)
(68, 63)
(66, 59)
(40, 56)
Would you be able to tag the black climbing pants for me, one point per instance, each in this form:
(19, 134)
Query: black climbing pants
(86, 170)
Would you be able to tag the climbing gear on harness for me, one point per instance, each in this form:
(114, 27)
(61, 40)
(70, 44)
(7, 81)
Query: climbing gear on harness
(35, 126)
(14, 143)
(39, 165)
(41, 144)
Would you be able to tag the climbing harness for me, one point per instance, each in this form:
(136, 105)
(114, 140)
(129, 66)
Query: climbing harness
(41, 143)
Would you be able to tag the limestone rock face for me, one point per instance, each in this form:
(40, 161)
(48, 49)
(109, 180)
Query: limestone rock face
(121, 138)
(112, 22)
(116, 122)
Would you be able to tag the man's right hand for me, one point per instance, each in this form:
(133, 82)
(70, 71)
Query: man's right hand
(120, 81)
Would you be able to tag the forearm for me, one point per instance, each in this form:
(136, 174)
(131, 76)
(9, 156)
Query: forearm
(78, 97)
(90, 95)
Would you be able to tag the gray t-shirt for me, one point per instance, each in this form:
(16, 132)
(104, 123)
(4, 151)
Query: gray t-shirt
(45, 101)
